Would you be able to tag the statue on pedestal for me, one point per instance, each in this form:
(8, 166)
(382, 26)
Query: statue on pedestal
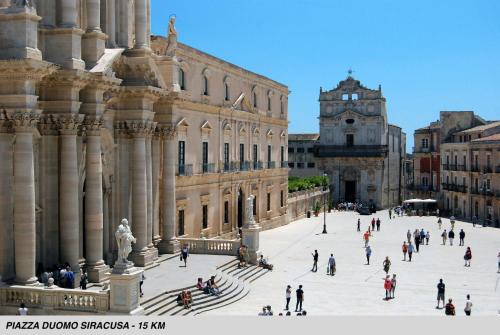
(249, 219)
(124, 240)
(172, 37)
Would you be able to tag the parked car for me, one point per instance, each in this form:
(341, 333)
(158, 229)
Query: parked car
(364, 210)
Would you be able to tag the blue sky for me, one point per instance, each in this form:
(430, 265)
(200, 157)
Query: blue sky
(427, 55)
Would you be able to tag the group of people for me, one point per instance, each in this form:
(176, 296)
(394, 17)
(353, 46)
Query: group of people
(62, 276)
(185, 299)
(300, 298)
(243, 256)
(268, 311)
(331, 267)
(208, 287)
(449, 308)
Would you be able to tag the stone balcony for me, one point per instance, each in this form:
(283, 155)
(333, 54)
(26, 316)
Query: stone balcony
(351, 151)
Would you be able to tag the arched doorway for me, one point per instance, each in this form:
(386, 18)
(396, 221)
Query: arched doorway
(240, 208)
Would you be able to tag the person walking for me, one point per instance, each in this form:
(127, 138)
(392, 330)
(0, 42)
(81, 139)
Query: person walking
(468, 306)
(405, 250)
(440, 223)
(452, 222)
(378, 224)
(449, 308)
(359, 225)
(315, 261)
(451, 236)
(422, 236)
(387, 287)
(390, 213)
(84, 280)
(417, 242)
(441, 289)
(366, 237)
(140, 284)
(498, 259)
(368, 254)
(461, 235)
(300, 299)
(474, 221)
(468, 256)
(185, 254)
(373, 224)
(444, 235)
(288, 296)
(427, 237)
(331, 265)
(387, 264)
(393, 286)
(408, 236)
(410, 251)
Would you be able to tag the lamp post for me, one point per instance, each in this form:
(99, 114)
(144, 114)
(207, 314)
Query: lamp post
(324, 209)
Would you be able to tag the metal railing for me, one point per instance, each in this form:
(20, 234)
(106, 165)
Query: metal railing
(271, 165)
(185, 170)
(244, 165)
(284, 164)
(207, 168)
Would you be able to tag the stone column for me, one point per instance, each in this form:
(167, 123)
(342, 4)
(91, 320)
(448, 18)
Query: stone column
(24, 198)
(94, 228)
(141, 254)
(169, 243)
(156, 170)
(68, 190)
(111, 23)
(93, 15)
(141, 19)
(94, 40)
(68, 13)
(6, 202)
(149, 189)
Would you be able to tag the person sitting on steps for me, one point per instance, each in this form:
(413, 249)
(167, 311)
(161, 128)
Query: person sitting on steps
(263, 263)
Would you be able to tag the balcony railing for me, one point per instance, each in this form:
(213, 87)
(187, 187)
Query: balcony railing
(257, 165)
(423, 188)
(423, 150)
(474, 168)
(185, 170)
(454, 188)
(454, 167)
(284, 164)
(207, 168)
(271, 165)
(487, 169)
(245, 166)
(481, 191)
(351, 151)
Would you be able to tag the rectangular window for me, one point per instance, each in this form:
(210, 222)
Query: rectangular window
(282, 199)
(226, 211)
(254, 205)
(291, 150)
(182, 80)
(488, 161)
(310, 150)
(300, 165)
(488, 184)
(350, 140)
(255, 156)
(269, 153)
(180, 223)
(226, 92)
(205, 157)
(282, 156)
(300, 150)
(205, 217)
(182, 157)
(242, 153)
(226, 156)
(311, 165)
(291, 165)
(268, 202)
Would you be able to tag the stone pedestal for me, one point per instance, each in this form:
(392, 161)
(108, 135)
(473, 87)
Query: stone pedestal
(93, 45)
(14, 23)
(124, 289)
(250, 238)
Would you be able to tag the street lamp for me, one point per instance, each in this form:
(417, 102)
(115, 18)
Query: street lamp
(324, 208)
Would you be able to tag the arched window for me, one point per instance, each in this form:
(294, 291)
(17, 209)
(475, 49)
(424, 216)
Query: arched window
(268, 103)
(205, 85)
(282, 105)
(254, 99)
(182, 79)
(227, 97)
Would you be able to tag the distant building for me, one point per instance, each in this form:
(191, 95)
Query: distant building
(301, 158)
(466, 180)
(362, 154)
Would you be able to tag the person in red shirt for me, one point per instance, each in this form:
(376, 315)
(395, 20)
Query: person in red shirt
(366, 237)
(405, 250)
(387, 287)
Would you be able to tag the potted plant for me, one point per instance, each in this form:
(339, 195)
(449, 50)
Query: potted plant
(316, 209)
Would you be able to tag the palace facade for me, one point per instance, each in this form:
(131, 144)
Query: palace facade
(99, 122)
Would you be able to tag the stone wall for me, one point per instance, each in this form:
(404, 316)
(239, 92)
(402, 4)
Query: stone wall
(302, 201)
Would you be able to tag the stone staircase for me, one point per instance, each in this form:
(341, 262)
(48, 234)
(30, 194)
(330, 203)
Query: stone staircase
(234, 284)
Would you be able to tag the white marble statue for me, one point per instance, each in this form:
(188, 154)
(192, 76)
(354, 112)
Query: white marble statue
(172, 37)
(249, 210)
(124, 240)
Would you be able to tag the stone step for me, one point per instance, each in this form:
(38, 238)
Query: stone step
(257, 272)
(173, 309)
(227, 265)
(236, 298)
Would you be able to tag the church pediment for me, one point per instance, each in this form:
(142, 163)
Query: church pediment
(138, 71)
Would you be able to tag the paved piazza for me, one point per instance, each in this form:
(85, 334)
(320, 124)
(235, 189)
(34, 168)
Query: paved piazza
(357, 289)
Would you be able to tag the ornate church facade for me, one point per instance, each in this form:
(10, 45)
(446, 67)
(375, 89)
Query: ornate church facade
(357, 148)
(99, 123)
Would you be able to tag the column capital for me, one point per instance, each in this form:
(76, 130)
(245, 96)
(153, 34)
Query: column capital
(141, 128)
(24, 122)
(69, 124)
(93, 126)
(47, 126)
(167, 132)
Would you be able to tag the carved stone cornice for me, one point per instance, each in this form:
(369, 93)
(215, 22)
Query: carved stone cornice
(121, 129)
(25, 69)
(68, 124)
